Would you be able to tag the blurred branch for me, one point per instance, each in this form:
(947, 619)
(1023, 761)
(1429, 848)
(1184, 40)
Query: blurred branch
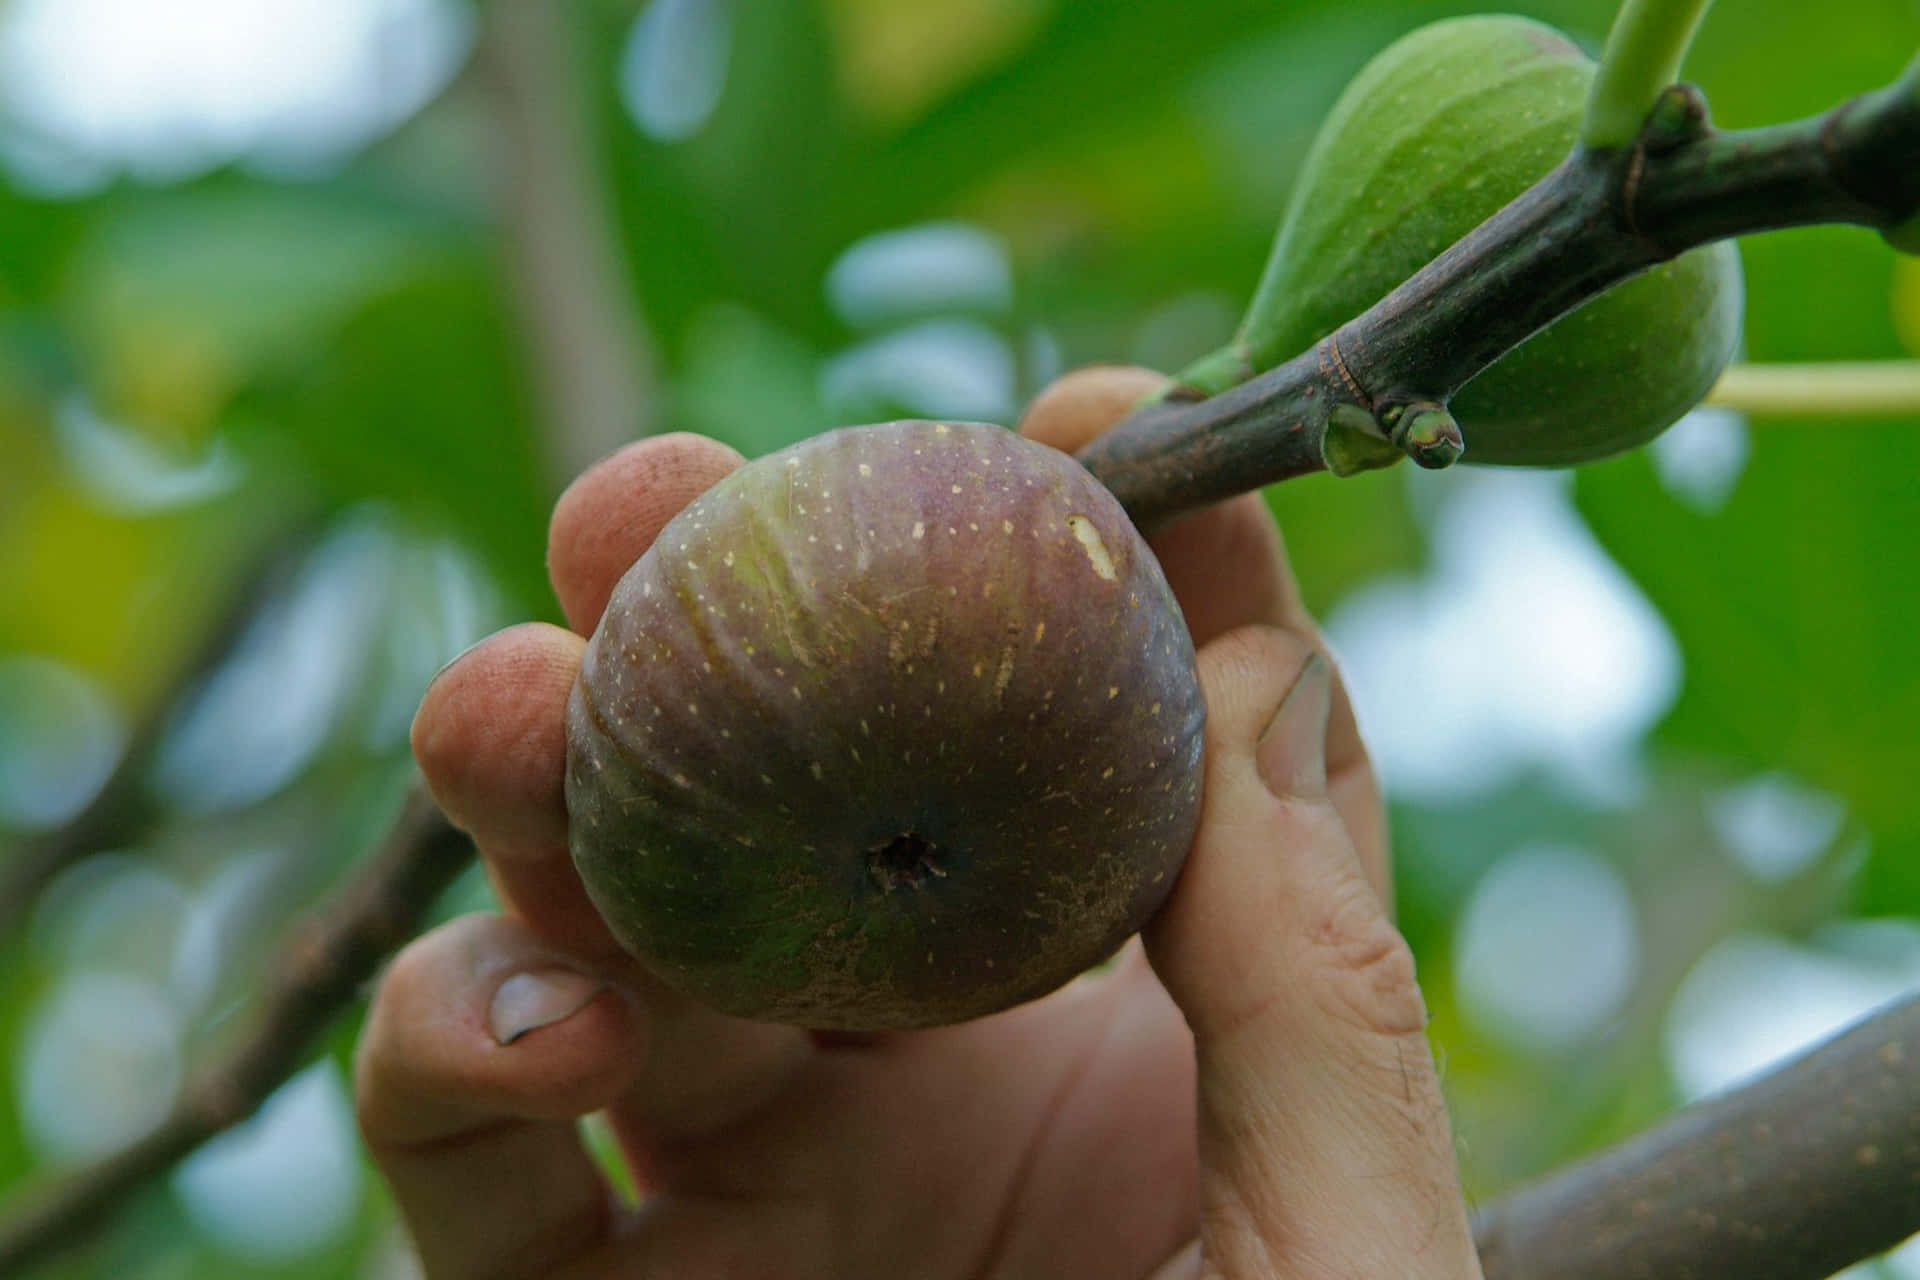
(1793, 1177)
(122, 806)
(1842, 389)
(324, 961)
(1600, 218)
(588, 349)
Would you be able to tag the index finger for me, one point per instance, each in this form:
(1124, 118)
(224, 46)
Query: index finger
(490, 737)
(490, 734)
(608, 517)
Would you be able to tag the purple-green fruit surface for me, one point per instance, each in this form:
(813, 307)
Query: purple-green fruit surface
(896, 727)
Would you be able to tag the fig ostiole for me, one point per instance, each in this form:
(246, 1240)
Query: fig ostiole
(896, 727)
(1433, 136)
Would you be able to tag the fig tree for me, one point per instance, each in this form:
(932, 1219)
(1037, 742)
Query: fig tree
(895, 727)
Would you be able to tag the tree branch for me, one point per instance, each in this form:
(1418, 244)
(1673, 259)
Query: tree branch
(1598, 219)
(1793, 1177)
(321, 967)
(588, 349)
(122, 806)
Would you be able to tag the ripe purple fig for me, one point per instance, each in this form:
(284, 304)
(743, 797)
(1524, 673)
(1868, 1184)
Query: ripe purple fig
(896, 727)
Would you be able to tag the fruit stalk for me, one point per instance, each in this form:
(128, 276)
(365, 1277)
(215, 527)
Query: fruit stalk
(1645, 48)
(1598, 219)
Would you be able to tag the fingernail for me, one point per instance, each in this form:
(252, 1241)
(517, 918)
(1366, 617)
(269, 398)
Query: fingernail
(1292, 753)
(528, 1001)
(452, 662)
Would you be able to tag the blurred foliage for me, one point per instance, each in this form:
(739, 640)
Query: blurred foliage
(191, 372)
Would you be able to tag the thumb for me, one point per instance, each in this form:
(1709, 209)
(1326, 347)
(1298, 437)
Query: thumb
(1324, 1143)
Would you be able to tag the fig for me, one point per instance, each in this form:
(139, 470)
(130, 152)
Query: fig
(896, 727)
(1432, 137)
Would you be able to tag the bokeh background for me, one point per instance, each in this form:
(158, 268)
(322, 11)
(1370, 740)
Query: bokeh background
(275, 443)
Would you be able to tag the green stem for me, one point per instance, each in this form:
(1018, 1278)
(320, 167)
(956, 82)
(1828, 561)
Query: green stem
(1228, 367)
(1862, 389)
(1648, 42)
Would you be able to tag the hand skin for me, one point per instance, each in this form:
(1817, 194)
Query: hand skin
(1248, 1094)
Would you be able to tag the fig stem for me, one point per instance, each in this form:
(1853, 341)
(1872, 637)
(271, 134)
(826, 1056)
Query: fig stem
(1598, 219)
(1645, 48)
(1842, 389)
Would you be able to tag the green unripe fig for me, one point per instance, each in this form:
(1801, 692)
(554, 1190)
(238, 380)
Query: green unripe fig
(1431, 138)
(896, 727)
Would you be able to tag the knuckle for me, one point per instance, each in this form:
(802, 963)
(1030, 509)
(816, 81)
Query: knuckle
(373, 1048)
(405, 998)
(1248, 650)
(1363, 971)
(1244, 673)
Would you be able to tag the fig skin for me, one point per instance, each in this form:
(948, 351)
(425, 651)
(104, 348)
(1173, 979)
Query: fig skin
(894, 728)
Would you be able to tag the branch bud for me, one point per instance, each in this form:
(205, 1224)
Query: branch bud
(1426, 432)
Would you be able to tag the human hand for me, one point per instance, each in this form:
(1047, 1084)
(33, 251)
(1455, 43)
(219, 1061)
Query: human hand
(1248, 1094)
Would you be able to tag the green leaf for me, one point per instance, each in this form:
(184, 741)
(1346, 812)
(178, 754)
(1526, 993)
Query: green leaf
(176, 299)
(36, 237)
(756, 203)
(1795, 612)
(418, 399)
(748, 383)
(1342, 533)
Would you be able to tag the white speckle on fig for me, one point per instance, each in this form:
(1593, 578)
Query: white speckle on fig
(1088, 536)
